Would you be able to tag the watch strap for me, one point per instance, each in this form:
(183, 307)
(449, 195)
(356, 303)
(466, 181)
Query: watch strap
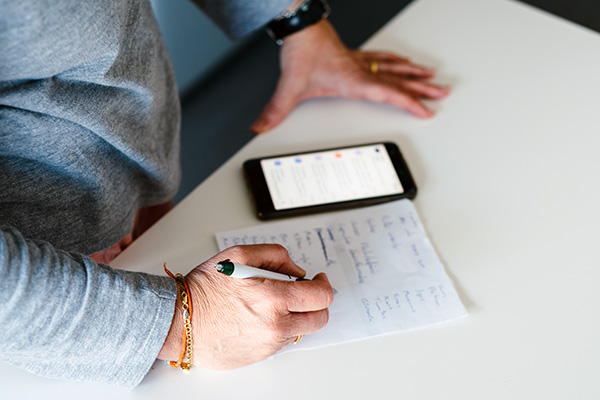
(308, 13)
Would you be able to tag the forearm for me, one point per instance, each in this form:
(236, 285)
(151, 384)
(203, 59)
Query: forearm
(65, 316)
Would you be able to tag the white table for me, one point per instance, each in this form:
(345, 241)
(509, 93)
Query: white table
(508, 191)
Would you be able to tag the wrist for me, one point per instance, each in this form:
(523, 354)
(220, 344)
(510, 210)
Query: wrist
(313, 34)
(172, 345)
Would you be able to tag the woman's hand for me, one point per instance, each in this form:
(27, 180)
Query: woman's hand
(241, 321)
(315, 63)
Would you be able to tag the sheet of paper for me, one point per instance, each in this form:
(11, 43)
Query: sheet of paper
(385, 272)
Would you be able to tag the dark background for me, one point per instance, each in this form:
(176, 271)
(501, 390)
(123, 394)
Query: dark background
(218, 111)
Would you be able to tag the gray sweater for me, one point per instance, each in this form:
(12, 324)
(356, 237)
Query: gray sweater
(89, 133)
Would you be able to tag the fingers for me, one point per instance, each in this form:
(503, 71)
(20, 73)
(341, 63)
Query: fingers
(307, 323)
(392, 64)
(407, 69)
(400, 92)
(382, 56)
(308, 304)
(375, 90)
(273, 257)
(416, 88)
(424, 89)
(284, 100)
(397, 81)
(306, 296)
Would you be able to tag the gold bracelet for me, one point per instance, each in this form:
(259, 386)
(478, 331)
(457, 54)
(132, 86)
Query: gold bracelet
(186, 357)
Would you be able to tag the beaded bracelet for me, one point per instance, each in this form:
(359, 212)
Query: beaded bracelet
(186, 305)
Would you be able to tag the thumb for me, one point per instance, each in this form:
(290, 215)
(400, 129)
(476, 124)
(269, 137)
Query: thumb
(280, 105)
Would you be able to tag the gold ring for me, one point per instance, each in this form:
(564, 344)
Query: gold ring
(373, 67)
(298, 339)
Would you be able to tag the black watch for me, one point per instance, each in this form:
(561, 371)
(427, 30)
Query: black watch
(308, 13)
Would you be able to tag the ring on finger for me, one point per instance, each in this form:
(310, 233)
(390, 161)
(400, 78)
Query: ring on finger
(373, 67)
(298, 339)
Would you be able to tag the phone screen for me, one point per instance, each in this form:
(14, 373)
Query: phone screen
(330, 176)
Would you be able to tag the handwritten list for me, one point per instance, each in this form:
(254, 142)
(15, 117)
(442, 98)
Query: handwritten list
(383, 268)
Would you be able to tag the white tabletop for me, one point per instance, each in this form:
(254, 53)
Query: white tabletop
(508, 192)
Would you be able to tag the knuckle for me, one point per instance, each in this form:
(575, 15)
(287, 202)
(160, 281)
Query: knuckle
(329, 295)
(270, 336)
(326, 293)
(281, 249)
(325, 318)
(276, 330)
(237, 252)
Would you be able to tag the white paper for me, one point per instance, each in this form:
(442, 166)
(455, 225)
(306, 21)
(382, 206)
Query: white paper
(385, 273)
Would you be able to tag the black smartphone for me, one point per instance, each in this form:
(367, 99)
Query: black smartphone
(327, 180)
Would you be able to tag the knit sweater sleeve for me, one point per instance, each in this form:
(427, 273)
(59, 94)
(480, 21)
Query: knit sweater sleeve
(65, 316)
(238, 18)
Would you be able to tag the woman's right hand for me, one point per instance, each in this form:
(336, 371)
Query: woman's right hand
(237, 322)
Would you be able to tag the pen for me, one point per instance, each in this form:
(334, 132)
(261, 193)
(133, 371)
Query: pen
(241, 271)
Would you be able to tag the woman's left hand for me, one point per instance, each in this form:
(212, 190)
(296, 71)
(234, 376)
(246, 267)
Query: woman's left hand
(315, 63)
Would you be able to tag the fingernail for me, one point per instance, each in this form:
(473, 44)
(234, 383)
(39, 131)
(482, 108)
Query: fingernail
(428, 113)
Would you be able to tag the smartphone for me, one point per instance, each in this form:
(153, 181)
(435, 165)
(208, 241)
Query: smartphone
(327, 180)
